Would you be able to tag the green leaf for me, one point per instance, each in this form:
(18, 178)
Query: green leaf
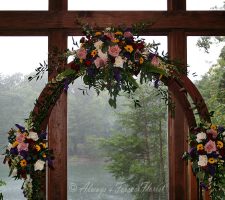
(64, 74)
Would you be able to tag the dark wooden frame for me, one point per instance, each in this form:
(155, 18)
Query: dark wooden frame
(57, 23)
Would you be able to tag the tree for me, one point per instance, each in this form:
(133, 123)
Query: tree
(137, 153)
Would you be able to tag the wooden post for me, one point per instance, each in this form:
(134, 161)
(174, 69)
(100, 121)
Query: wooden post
(178, 128)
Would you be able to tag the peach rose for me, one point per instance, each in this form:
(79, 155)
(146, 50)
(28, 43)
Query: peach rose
(155, 61)
(114, 50)
(23, 146)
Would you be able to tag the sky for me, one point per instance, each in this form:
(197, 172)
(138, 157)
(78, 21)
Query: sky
(23, 54)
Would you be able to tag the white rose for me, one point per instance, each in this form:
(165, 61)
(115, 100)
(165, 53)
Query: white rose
(102, 55)
(203, 160)
(119, 62)
(33, 136)
(98, 44)
(39, 165)
(201, 136)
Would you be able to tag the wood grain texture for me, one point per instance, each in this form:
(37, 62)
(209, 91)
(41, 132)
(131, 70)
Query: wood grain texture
(176, 5)
(57, 132)
(178, 127)
(162, 21)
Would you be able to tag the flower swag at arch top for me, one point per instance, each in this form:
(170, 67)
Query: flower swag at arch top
(110, 60)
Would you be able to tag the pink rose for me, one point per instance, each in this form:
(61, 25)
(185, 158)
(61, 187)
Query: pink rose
(81, 53)
(22, 147)
(128, 34)
(99, 62)
(114, 50)
(20, 138)
(210, 146)
(155, 61)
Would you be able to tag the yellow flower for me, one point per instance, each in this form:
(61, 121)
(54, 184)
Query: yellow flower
(98, 33)
(93, 53)
(81, 60)
(200, 147)
(129, 48)
(141, 60)
(15, 144)
(118, 33)
(44, 155)
(23, 163)
(37, 147)
(211, 160)
(214, 127)
(115, 41)
(43, 145)
(219, 144)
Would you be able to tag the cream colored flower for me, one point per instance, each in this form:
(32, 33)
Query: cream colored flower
(102, 55)
(33, 136)
(119, 62)
(39, 165)
(201, 136)
(98, 44)
(203, 160)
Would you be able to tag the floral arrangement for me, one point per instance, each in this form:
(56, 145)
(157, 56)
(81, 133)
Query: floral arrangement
(26, 154)
(110, 59)
(207, 155)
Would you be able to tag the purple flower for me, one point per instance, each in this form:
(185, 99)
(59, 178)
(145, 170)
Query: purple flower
(43, 135)
(203, 186)
(221, 129)
(24, 154)
(21, 128)
(212, 170)
(127, 55)
(66, 85)
(117, 75)
(14, 151)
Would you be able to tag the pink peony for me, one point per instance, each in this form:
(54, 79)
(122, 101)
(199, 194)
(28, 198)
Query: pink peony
(128, 34)
(114, 50)
(22, 147)
(81, 53)
(99, 62)
(155, 61)
(20, 138)
(210, 146)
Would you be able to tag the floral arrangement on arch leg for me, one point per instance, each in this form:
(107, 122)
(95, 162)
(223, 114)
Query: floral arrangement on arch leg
(207, 155)
(26, 155)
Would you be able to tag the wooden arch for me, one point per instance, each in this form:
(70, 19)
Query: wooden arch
(181, 86)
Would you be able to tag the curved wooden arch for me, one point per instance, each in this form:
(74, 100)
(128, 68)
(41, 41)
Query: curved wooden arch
(181, 86)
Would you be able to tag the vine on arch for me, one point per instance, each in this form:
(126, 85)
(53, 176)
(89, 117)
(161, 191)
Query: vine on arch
(112, 59)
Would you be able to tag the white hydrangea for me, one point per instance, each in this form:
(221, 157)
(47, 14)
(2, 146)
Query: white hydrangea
(33, 136)
(119, 62)
(203, 160)
(201, 136)
(39, 165)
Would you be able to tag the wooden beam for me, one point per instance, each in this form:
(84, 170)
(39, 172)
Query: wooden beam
(162, 21)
